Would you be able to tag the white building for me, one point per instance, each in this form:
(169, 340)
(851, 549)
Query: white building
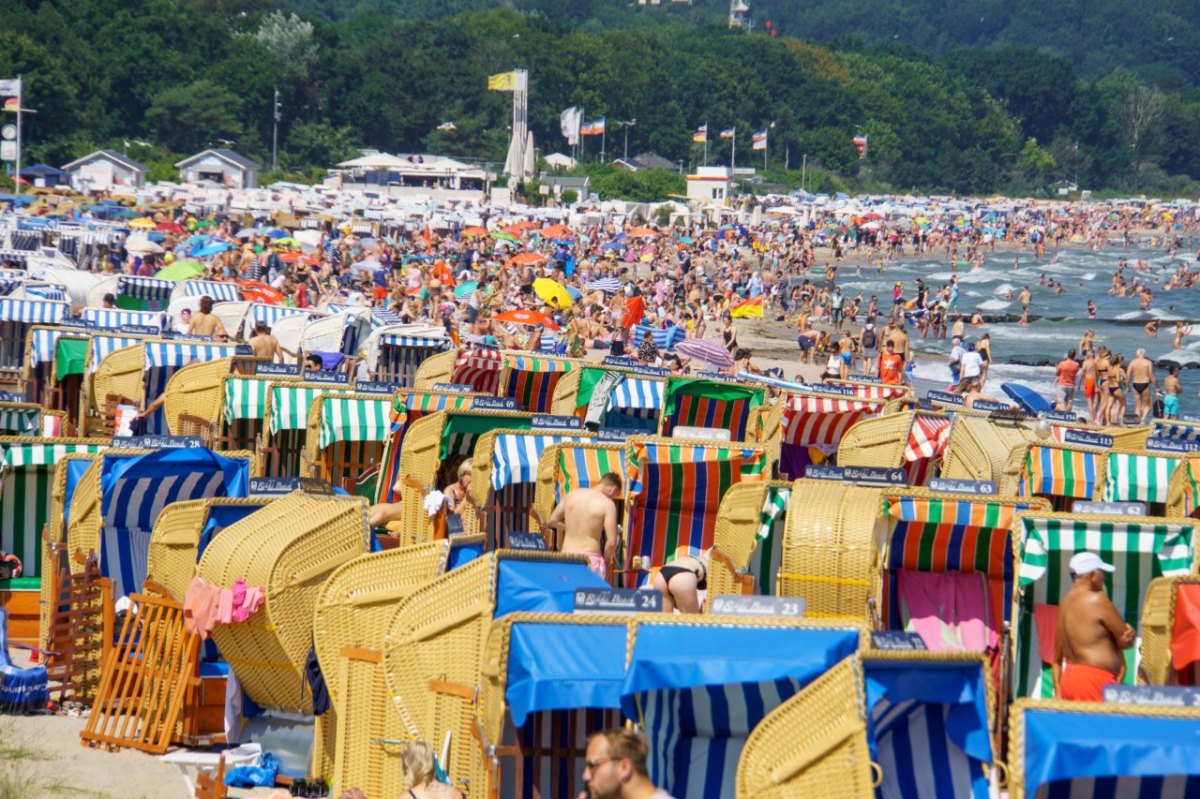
(230, 169)
(710, 185)
(427, 176)
(103, 169)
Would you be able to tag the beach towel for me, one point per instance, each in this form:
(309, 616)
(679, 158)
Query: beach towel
(949, 610)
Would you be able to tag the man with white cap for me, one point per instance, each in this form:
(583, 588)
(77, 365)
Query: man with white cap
(1091, 634)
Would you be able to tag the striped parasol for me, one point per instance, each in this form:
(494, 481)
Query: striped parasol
(609, 285)
(705, 350)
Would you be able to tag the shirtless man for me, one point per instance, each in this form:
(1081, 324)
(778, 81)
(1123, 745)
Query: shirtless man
(1091, 635)
(264, 344)
(1087, 375)
(588, 519)
(204, 323)
(1172, 388)
(1141, 381)
(900, 341)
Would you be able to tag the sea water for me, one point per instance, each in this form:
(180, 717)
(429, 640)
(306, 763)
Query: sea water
(1027, 354)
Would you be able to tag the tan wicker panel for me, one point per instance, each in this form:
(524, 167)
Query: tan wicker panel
(121, 373)
(814, 744)
(419, 461)
(435, 369)
(566, 393)
(324, 745)
(355, 605)
(979, 447)
(369, 739)
(289, 548)
(171, 560)
(1158, 626)
(830, 554)
(735, 535)
(1129, 438)
(197, 389)
(878, 441)
(1179, 486)
(53, 539)
(83, 532)
(1016, 727)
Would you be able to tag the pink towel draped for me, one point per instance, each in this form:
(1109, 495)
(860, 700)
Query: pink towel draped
(951, 610)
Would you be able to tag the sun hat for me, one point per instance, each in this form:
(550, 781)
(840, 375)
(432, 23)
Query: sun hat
(1087, 562)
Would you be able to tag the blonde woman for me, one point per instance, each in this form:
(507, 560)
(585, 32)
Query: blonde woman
(422, 776)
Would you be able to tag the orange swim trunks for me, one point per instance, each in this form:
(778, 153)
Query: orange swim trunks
(1083, 683)
(1089, 387)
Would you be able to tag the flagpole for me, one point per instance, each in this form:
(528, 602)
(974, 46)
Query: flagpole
(603, 136)
(766, 146)
(732, 153)
(706, 144)
(20, 103)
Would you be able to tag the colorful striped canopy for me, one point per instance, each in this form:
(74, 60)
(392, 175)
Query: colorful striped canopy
(531, 380)
(1137, 478)
(145, 288)
(676, 489)
(874, 390)
(515, 457)
(26, 480)
(819, 421)
(405, 411)
(709, 403)
(33, 312)
(43, 341)
(1058, 472)
(1180, 431)
(478, 368)
(218, 291)
(353, 419)
(768, 553)
(164, 354)
(50, 291)
(462, 431)
(635, 397)
(1140, 549)
(245, 398)
(115, 317)
(582, 467)
(290, 405)
(269, 314)
(927, 438)
(20, 421)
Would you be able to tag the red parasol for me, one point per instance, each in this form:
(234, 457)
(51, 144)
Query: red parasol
(523, 316)
(255, 291)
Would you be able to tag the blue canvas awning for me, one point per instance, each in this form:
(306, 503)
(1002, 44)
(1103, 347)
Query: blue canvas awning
(541, 586)
(564, 667)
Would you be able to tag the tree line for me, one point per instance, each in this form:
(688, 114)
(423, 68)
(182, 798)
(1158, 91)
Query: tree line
(161, 79)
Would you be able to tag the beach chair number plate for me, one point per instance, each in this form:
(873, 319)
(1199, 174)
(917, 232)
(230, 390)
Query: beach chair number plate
(158, 442)
(610, 434)
(533, 542)
(494, 404)
(1084, 438)
(278, 369)
(948, 486)
(773, 606)
(1109, 508)
(863, 475)
(375, 387)
(897, 640)
(457, 388)
(1161, 695)
(323, 376)
(1172, 445)
(944, 397)
(617, 600)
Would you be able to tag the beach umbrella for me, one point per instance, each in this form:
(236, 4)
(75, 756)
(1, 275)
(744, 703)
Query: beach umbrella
(255, 291)
(522, 316)
(501, 235)
(286, 241)
(514, 230)
(574, 292)
(142, 223)
(612, 246)
(524, 258)
(169, 227)
(293, 257)
(643, 232)
(308, 238)
(181, 270)
(552, 292)
(274, 233)
(246, 233)
(557, 232)
(142, 246)
(475, 231)
(465, 290)
(705, 350)
(212, 249)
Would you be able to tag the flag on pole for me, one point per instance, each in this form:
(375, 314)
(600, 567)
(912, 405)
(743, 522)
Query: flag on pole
(503, 82)
(701, 134)
(759, 140)
(749, 309)
(860, 144)
(570, 121)
(728, 133)
(10, 90)
(593, 128)
(12, 103)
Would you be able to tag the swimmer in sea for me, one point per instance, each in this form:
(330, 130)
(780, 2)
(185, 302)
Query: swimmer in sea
(1091, 310)
(1151, 328)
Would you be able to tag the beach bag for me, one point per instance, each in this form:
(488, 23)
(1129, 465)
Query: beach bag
(1159, 407)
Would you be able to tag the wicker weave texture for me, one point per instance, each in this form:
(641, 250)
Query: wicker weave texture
(171, 560)
(736, 533)
(197, 389)
(876, 441)
(435, 369)
(289, 548)
(121, 373)
(1158, 627)
(978, 448)
(566, 393)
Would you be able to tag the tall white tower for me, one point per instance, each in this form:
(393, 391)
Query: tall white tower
(737, 13)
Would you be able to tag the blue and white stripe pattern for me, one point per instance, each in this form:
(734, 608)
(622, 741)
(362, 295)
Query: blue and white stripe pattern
(551, 344)
(516, 455)
(220, 292)
(400, 356)
(130, 507)
(664, 338)
(48, 291)
(637, 394)
(269, 314)
(383, 317)
(32, 312)
(174, 354)
(7, 285)
(43, 344)
(783, 385)
(610, 285)
(113, 317)
(915, 751)
(696, 735)
(1176, 431)
(103, 346)
(145, 288)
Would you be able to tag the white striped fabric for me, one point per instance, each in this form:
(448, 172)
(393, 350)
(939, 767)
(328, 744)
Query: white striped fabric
(161, 354)
(1176, 430)
(43, 345)
(48, 292)
(113, 317)
(696, 735)
(767, 380)
(394, 340)
(130, 508)
(634, 393)
(1137, 478)
(7, 285)
(20, 421)
(289, 406)
(245, 398)
(220, 292)
(269, 314)
(916, 755)
(103, 346)
(145, 288)
(606, 284)
(32, 312)
(516, 456)
(817, 421)
(1175, 786)
(352, 419)
(21, 455)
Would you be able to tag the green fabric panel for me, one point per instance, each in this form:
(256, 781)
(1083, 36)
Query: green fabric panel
(132, 303)
(69, 357)
(708, 389)
(21, 584)
(477, 425)
(588, 379)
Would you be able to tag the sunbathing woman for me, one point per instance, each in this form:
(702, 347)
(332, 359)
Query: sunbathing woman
(680, 582)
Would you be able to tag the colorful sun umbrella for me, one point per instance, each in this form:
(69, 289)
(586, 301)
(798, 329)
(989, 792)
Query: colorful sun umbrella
(522, 316)
(143, 223)
(705, 350)
(181, 270)
(557, 232)
(475, 231)
(255, 291)
(465, 290)
(169, 227)
(643, 232)
(552, 292)
(524, 258)
(500, 235)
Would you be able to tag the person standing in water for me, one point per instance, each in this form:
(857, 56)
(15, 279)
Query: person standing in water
(1172, 389)
(1143, 384)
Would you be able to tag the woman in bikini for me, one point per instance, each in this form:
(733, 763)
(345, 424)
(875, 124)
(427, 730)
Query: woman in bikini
(1116, 395)
(680, 582)
(417, 759)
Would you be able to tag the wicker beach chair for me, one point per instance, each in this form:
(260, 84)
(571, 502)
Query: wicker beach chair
(288, 549)
(748, 541)
(121, 374)
(433, 447)
(1183, 493)
(830, 552)
(979, 447)
(566, 466)
(196, 390)
(913, 440)
(408, 407)
(1065, 473)
(346, 436)
(1144, 751)
(872, 390)
(531, 378)
(697, 402)
(837, 739)
(1168, 654)
(435, 369)
(286, 421)
(1141, 548)
(810, 426)
(634, 404)
(181, 529)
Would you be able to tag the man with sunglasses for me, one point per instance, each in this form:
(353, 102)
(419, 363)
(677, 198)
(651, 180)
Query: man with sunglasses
(616, 767)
